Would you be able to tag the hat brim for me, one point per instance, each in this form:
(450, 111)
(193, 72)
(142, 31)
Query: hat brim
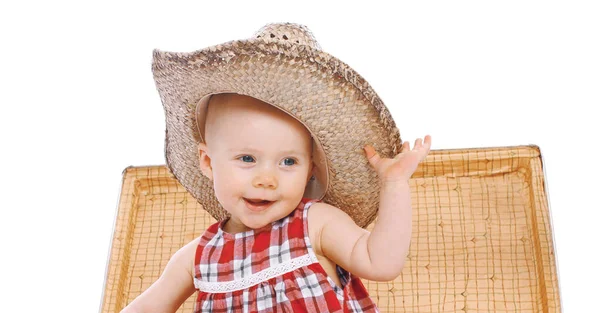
(334, 102)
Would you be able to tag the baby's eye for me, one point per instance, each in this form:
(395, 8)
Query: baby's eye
(289, 162)
(246, 158)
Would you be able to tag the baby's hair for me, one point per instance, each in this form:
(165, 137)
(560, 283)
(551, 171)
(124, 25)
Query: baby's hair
(217, 105)
(221, 99)
(214, 99)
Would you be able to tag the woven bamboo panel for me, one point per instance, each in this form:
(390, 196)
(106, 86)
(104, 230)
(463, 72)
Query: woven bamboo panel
(481, 242)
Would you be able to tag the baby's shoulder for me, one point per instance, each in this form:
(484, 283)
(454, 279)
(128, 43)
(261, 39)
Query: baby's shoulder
(319, 214)
(186, 255)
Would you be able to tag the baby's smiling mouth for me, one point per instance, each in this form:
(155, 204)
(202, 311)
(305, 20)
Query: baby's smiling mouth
(258, 205)
(258, 201)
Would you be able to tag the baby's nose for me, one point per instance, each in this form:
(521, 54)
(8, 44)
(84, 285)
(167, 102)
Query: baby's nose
(265, 180)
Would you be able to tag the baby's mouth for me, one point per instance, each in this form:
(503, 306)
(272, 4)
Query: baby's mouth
(257, 204)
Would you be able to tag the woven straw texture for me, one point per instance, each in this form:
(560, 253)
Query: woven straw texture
(481, 242)
(331, 99)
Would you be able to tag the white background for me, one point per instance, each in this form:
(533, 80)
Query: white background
(78, 105)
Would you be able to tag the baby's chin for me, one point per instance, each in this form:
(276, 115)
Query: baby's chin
(257, 223)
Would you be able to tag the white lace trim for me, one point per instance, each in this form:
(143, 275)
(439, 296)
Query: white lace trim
(256, 278)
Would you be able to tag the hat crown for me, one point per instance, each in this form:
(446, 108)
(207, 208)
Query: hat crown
(288, 32)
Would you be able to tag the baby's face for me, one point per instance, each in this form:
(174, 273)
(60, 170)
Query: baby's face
(255, 152)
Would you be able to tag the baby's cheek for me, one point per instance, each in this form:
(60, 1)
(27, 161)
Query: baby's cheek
(227, 183)
(220, 186)
(295, 187)
(219, 192)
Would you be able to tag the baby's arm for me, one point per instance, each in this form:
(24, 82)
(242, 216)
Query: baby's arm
(379, 255)
(172, 288)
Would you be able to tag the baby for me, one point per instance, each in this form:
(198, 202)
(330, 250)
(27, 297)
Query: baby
(277, 249)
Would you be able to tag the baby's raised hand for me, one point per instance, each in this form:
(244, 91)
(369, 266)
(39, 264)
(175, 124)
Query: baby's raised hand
(403, 165)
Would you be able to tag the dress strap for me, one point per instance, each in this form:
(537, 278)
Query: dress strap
(307, 204)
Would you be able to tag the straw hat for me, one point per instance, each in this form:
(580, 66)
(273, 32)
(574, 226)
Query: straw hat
(283, 65)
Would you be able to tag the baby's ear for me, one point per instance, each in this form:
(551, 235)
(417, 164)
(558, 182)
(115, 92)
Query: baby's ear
(204, 161)
(311, 172)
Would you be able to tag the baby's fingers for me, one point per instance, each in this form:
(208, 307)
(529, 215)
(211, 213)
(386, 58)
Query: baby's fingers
(372, 155)
(426, 146)
(418, 143)
(405, 146)
(427, 142)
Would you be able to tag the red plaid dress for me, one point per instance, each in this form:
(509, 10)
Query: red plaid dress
(273, 269)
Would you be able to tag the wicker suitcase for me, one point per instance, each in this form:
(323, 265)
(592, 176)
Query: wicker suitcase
(481, 242)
